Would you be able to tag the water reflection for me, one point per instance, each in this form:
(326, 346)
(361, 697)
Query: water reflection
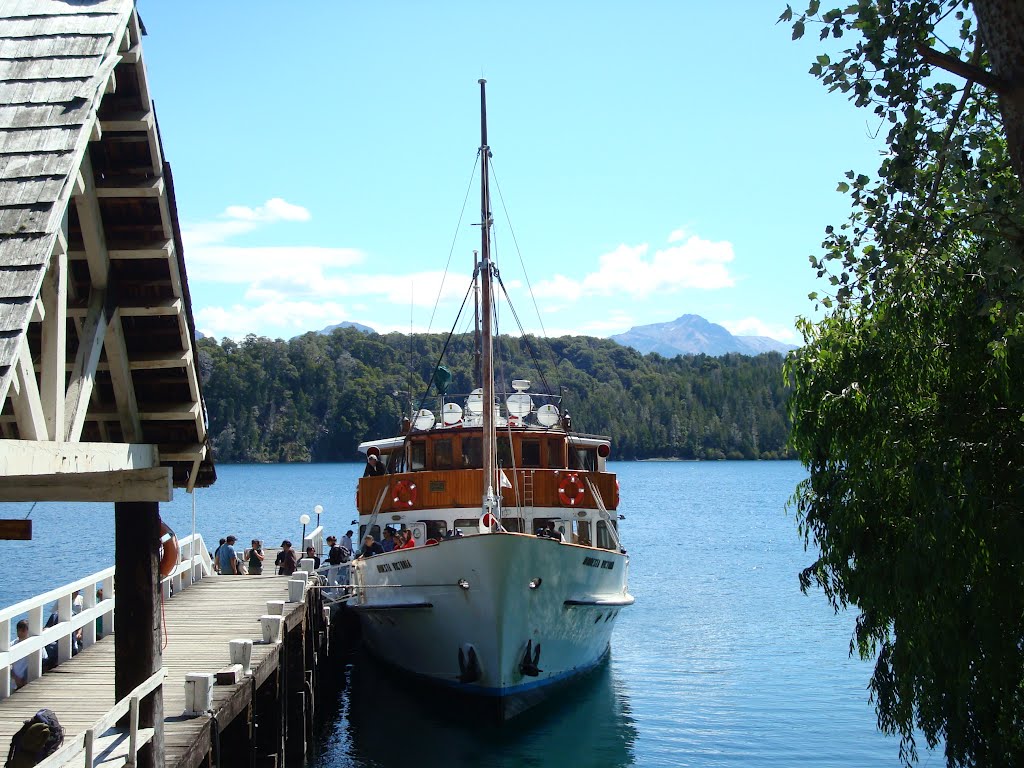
(378, 720)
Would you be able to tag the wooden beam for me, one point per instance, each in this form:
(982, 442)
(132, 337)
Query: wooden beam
(121, 379)
(195, 452)
(43, 457)
(157, 251)
(129, 121)
(28, 408)
(92, 227)
(15, 530)
(171, 412)
(84, 374)
(137, 616)
(124, 485)
(140, 188)
(53, 359)
(161, 308)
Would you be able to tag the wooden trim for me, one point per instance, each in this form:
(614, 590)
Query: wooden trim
(27, 405)
(45, 457)
(83, 376)
(121, 380)
(53, 357)
(127, 485)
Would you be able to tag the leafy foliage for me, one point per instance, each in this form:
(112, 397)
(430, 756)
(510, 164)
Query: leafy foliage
(316, 397)
(907, 405)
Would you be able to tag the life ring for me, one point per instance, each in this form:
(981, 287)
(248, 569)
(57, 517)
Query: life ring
(405, 494)
(168, 550)
(570, 490)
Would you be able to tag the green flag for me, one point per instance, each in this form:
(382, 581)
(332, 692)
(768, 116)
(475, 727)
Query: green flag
(442, 379)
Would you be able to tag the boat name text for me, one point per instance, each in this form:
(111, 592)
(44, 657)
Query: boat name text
(398, 565)
(594, 562)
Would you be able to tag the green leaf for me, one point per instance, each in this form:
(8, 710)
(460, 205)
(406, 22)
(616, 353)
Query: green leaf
(843, 187)
(798, 30)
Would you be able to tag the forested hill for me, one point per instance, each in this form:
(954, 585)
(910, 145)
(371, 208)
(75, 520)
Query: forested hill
(316, 397)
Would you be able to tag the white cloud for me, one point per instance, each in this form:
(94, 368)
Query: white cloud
(752, 326)
(282, 265)
(677, 235)
(695, 263)
(240, 219)
(274, 209)
(272, 318)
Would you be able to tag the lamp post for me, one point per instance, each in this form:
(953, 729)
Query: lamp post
(304, 519)
(318, 510)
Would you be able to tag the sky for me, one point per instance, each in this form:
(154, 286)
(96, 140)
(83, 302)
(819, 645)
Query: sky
(654, 159)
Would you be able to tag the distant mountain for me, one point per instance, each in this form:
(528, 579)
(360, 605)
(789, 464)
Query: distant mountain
(359, 327)
(693, 335)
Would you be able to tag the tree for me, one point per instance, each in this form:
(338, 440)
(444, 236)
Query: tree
(907, 404)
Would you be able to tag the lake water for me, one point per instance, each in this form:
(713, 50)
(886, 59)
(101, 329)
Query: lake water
(721, 662)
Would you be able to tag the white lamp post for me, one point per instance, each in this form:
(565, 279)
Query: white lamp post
(318, 510)
(304, 519)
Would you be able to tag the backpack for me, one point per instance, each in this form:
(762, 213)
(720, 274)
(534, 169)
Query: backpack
(336, 556)
(36, 739)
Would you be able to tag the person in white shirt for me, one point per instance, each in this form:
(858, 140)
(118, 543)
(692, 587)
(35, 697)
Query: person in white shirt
(19, 669)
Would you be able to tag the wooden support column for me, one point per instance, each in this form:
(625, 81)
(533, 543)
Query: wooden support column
(295, 697)
(138, 637)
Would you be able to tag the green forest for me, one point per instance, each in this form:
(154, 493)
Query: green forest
(316, 397)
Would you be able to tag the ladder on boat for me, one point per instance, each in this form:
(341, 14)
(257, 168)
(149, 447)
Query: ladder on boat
(528, 488)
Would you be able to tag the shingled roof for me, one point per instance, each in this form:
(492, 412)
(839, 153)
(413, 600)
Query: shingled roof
(97, 340)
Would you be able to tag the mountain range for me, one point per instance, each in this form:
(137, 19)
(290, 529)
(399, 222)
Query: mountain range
(693, 335)
(686, 335)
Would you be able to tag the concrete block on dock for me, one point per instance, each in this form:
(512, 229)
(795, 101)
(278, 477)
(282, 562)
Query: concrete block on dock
(296, 590)
(275, 607)
(198, 692)
(230, 674)
(241, 653)
(307, 564)
(272, 626)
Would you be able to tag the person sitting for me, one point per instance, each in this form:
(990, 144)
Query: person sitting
(553, 533)
(407, 541)
(286, 559)
(370, 548)
(19, 669)
(374, 467)
(389, 540)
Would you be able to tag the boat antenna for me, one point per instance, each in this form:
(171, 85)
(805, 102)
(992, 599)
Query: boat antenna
(490, 440)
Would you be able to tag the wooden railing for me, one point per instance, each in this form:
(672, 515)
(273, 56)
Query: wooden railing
(103, 740)
(95, 620)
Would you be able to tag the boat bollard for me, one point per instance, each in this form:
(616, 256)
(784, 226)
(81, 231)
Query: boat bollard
(241, 653)
(271, 628)
(296, 589)
(198, 693)
(275, 607)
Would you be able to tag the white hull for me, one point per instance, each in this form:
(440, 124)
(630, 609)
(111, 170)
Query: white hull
(416, 617)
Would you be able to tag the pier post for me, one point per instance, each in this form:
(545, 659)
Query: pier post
(137, 616)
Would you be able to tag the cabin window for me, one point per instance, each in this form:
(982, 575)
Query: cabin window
(375, 532)
(418, 456)
(504, 452)
(469, 526)
(472, 453)
(604, 538)
(581, 533)
(442, 454)
(556, 454)
(583, 458)
(512, 524)
(531, 453)
(435, 529)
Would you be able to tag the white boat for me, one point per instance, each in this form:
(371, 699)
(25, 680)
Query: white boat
(517, 574)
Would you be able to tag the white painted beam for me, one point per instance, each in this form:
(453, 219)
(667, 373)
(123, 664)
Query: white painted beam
(28, 408)
(162, 251)
(121, 379)
(83, 376)
(163, 307)
(53, 358)
(123, 485)
(92, 228)
(42, 457)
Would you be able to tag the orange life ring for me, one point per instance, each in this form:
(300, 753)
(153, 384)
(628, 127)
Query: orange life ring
(570, 490)
(168, 550)
(405, 494)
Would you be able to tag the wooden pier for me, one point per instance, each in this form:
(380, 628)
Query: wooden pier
(265, 719)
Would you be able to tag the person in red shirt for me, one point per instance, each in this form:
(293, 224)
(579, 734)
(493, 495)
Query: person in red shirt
(408, 543)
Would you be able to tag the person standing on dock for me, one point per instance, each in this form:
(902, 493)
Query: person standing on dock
(228, 558)
(286, 559)
(255, 558)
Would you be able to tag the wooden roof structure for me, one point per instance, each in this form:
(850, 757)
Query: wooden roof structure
(98, 370)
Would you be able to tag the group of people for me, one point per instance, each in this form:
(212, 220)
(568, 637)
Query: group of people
(228, 562)
(19, 669)
(393, 539)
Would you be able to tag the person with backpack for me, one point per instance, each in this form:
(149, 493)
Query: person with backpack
(37, 738)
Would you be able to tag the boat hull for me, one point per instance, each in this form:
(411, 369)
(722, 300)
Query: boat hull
(532, 613)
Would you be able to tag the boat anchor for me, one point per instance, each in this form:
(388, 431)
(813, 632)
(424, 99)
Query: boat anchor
(531, 659)
(469, 665)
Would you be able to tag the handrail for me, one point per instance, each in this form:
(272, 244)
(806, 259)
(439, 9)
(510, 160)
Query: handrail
(84, 742)
(193, 564)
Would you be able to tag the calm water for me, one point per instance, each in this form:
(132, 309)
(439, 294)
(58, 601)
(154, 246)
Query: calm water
(721, 662)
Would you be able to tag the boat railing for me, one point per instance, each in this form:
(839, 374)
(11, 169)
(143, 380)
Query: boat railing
(95, 619)
(96, 740)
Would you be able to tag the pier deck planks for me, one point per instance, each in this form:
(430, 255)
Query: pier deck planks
(200, 622)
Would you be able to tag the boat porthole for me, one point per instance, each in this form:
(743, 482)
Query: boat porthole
(598, 618)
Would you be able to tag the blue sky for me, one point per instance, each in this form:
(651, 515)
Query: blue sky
(655, 159)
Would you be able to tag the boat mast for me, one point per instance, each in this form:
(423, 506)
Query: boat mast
(490, 443)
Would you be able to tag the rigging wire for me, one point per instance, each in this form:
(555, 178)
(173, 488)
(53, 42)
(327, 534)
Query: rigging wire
(455, 237)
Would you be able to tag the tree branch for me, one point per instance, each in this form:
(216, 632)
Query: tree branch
(965, 69)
